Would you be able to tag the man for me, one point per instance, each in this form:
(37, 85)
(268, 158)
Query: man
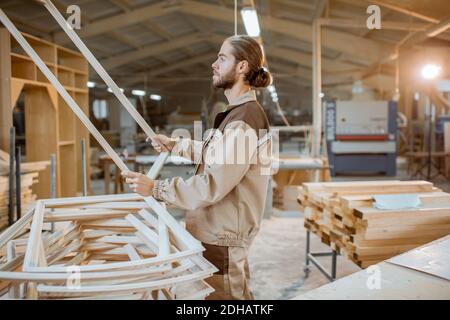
(225, 199)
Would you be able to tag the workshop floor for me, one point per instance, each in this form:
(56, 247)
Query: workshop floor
(277, 255)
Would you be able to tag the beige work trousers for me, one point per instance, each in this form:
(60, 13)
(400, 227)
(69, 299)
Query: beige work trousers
(231, 282)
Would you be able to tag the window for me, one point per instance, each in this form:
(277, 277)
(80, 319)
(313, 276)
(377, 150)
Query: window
(100, 109)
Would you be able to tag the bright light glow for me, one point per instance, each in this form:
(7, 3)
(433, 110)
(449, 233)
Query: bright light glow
(155, 97)
(251, 22)
(90, 84)
(417, 96)
(271, 88)
(322, 95)
(430, 71)
(109, 90)
(139, 93)
(357, 87)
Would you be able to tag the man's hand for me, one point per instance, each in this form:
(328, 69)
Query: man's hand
(139, 183)
(162, 143)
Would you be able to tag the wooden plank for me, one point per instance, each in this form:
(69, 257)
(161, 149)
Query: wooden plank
(163, 234)
(32, 254)
(124, 288)
(342, 215)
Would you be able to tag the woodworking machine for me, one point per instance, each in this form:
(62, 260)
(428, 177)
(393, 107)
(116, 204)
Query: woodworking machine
(361, 136)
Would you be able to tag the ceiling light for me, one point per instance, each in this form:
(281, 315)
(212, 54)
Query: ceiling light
(139, 93)
(90, 84)
(430, 71)
(251, 22)
(155, 97)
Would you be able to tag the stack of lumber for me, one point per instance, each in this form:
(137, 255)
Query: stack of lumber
(103, 247)
(29, 177)
(343, 216)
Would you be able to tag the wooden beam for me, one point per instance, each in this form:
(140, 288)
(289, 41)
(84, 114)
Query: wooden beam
(320, 9)
(176, 66)
(6, 120)
(296, 4)
(151, 50)
(431, 32)
(404, 11)
(148, 24)
(166, 35)
(304, 59)
(361, 24)
(294, 56)
(317, 87)
(335, 40)
(120, 21)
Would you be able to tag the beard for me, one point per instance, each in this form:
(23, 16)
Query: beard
(226, 81)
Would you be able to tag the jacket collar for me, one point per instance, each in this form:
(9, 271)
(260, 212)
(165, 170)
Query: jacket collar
(246, 97)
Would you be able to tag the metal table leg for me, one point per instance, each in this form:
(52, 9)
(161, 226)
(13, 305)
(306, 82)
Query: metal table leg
(311, 257)
(18, 185)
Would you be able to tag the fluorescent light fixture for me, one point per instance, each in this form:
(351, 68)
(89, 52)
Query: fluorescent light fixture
(430, 71)
(251, 22)
(109, 90)
(139, 93)
(155, 97)
(90, 84)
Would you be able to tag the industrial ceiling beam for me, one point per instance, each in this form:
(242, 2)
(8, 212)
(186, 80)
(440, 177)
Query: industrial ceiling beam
(294, 56)
(119, 21)
(152, 50)
(169, 68)
(320, 9)
(404, 11)
(336, 40)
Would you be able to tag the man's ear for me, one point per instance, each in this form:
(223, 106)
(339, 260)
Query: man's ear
(243, 66)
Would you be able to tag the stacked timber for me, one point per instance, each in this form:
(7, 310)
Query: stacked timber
(342, 214)
(103, 247)
(29, 177)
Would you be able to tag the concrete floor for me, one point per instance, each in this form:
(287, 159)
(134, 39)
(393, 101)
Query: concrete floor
(277, 255)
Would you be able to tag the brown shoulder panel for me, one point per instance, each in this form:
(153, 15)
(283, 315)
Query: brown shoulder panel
(252, 114)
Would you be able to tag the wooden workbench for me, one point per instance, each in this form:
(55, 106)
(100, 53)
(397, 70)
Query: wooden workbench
(397, 282)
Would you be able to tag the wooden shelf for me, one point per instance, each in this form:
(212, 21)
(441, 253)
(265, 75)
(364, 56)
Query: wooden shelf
(51, 126)
(77, 71)
(66, 143)
(24, 56)
(23, 68)
(16, 56)
(31, 82)
(71, 59)
(77, 90)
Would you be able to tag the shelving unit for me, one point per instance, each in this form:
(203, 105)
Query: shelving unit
(50, 126)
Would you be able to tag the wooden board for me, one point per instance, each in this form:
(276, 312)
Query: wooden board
(343, 216)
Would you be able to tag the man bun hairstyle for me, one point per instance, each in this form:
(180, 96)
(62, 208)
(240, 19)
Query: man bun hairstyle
(247, 48)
